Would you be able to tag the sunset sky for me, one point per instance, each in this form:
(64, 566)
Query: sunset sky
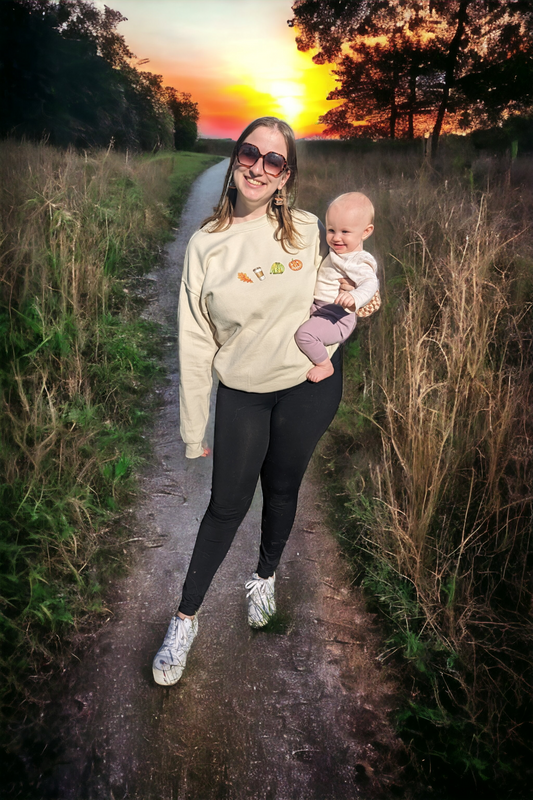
(237, 58)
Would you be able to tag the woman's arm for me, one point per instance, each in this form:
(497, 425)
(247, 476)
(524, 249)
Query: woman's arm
(197, 348)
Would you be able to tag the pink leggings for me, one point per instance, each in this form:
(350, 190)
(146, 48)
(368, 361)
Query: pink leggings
(328, 324)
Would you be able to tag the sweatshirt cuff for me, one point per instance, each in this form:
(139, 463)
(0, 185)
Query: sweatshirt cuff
(194, 450)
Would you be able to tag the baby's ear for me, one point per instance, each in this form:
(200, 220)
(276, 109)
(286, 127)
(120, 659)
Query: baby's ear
(368, 231)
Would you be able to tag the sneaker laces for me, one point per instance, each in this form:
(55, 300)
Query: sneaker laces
(260, 585)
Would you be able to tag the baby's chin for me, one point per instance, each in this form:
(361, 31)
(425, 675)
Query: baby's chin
(340, 250)
(344, 249)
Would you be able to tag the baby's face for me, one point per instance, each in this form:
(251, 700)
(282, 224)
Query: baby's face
(347, 227)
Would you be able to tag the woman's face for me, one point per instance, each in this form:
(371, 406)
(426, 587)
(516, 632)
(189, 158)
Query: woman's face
(254, 186)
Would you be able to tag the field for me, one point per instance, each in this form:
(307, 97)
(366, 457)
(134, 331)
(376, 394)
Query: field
(77, 365)
(428, 464)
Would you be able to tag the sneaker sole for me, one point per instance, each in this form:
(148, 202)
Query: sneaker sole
(170, 676)
(167, 677)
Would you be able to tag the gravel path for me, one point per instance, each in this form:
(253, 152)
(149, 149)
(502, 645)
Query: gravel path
(299, 714)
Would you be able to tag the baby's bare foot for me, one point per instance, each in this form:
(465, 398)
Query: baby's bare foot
(320, 371)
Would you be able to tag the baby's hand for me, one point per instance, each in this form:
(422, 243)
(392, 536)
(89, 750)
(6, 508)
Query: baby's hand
(345, 300)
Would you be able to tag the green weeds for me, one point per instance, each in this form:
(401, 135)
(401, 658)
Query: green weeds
(77, 369)
(279, 623)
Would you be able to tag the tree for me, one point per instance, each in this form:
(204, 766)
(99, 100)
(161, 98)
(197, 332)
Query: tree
(151, 116)
(82, 20)
(66, 74)
(384, 83)
(53, 86)
(185, 113)
(79, 19)
(437, 62)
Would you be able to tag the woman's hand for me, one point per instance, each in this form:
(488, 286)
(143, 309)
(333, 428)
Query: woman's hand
(346, 285)
(207, 452)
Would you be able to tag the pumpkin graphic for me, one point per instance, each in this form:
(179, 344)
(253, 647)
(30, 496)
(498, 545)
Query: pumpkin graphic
(295, 264)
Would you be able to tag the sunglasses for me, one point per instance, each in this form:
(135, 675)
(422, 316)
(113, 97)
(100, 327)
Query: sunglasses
(273, 163)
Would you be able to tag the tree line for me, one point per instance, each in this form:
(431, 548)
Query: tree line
(406, 68)
(67, 75)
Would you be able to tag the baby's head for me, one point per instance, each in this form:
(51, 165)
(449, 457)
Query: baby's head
(349, 221)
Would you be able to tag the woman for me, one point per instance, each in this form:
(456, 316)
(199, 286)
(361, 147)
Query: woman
(248, 283)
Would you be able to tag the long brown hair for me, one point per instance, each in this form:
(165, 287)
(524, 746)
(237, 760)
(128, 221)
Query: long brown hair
(282, 216)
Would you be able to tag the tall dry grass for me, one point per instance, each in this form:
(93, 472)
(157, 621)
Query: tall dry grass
(55, 206)
(76, 364)
(433, 445)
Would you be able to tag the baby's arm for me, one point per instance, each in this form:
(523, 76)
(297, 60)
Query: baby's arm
(367, 284)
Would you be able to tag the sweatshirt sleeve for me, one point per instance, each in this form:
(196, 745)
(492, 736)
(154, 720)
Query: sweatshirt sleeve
(196, 348)
(322, 245)
(366, 279)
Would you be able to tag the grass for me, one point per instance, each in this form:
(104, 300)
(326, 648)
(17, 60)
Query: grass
(279, 623)
(77, 369)
(431, 450)
(429, 457)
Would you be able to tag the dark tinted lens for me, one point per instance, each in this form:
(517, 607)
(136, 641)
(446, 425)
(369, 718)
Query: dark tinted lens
(274, 164)
(248, 155)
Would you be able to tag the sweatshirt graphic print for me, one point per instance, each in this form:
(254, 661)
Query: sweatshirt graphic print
(242, 299)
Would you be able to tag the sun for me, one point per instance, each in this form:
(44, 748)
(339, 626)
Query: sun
(291, 109)
(294, 89)
(299, 98)
(287, 95)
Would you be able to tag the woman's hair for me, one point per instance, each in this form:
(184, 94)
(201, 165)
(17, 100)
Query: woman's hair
(285, 232)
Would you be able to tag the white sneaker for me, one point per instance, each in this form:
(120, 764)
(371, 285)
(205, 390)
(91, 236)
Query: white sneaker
(170, 659)
(261, 600)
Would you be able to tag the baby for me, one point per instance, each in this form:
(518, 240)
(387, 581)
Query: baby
(349, 221)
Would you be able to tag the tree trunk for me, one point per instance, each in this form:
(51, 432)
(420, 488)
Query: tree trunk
(412, 105)
(451, 63)
(393, 118)
(393, 109)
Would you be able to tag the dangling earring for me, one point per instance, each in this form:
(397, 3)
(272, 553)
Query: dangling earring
(231, 184)
(279, 200)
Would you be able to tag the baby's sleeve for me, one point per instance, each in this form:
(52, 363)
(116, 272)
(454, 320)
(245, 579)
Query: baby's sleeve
(364, 273)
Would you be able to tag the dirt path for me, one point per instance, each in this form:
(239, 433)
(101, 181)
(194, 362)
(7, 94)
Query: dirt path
(268, 716)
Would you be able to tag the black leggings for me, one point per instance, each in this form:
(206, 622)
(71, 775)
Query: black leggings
(269, 435)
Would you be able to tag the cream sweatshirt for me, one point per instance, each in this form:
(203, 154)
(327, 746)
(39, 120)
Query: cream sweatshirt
(242, 298)
(359, 265)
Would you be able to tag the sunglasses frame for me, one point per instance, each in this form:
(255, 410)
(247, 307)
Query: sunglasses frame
(263, 156)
